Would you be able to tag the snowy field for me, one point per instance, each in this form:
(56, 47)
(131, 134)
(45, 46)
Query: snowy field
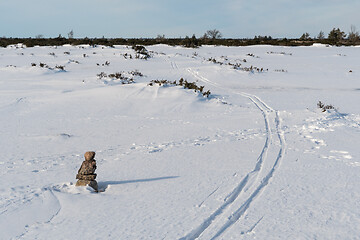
(257, 159)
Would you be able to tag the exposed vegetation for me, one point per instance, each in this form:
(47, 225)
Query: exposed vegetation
(238, 66)
(192, 42)
(136, 73)
(187, 42)
(122, 77)
(183, 83)
(141, 52)
(280, 70)
(354, 36)
(213, 34)
(304, 37)
(107, 63)
(324, 107)
(44, 65)
(336, 36)
(252, 69)
(280, 53)
(211, 37)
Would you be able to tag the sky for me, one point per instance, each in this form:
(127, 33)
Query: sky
(174, 18)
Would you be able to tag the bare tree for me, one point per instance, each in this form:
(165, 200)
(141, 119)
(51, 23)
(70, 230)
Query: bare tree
(160, 37)
(353, 34)
(71, 34)
(321, 35)
(214, 34)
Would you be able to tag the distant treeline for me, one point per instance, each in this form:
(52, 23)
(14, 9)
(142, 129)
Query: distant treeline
(186, 42)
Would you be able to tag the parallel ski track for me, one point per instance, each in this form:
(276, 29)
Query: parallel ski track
(252, 177)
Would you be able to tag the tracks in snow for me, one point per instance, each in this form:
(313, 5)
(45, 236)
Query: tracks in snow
(27, 209)
(254, 182)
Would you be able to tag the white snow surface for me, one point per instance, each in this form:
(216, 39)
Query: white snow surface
(255, 160)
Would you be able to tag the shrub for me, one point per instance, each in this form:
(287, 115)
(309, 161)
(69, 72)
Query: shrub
(183, 83)
(127, 55)
(192, 42)
(280, 53)
(101, 75)
(125, 78)
(74, 61)
(60, 67)
(324, 107)
(142, 52)
(43, 65)
(136, 73)
(250, 69)
(214, 61)
(107, 63)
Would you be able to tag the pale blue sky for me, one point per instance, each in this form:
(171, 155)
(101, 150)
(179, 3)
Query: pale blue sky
(145, 18)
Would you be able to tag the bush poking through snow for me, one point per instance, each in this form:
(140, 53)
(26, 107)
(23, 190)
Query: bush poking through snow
(74, 61)
(280, 70)
(192, 42)
(136, 73)
(107, 63)
(250, 69)
(215, 61)
(183, 83)
(252, 55)
(125, 78)
(280, 53)
(127, 55)
(161, 82)
(141, 52)
(62, 68)
(237, 66)
(44, 65)
(324, 107)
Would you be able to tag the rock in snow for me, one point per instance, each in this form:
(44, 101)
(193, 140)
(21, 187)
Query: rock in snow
(86, 174)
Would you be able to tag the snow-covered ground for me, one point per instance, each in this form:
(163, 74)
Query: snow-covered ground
(256, 160)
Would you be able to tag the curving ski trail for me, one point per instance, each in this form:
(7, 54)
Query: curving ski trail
(249, 179)
(252, 177)
(241, 211)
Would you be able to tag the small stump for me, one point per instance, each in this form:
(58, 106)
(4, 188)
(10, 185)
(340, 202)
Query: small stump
(86, 174)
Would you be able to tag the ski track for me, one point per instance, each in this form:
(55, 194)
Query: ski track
(51, 218)
(199, 205)
(253, 227)
(240, 212)
(27, 198)
(252, 177)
